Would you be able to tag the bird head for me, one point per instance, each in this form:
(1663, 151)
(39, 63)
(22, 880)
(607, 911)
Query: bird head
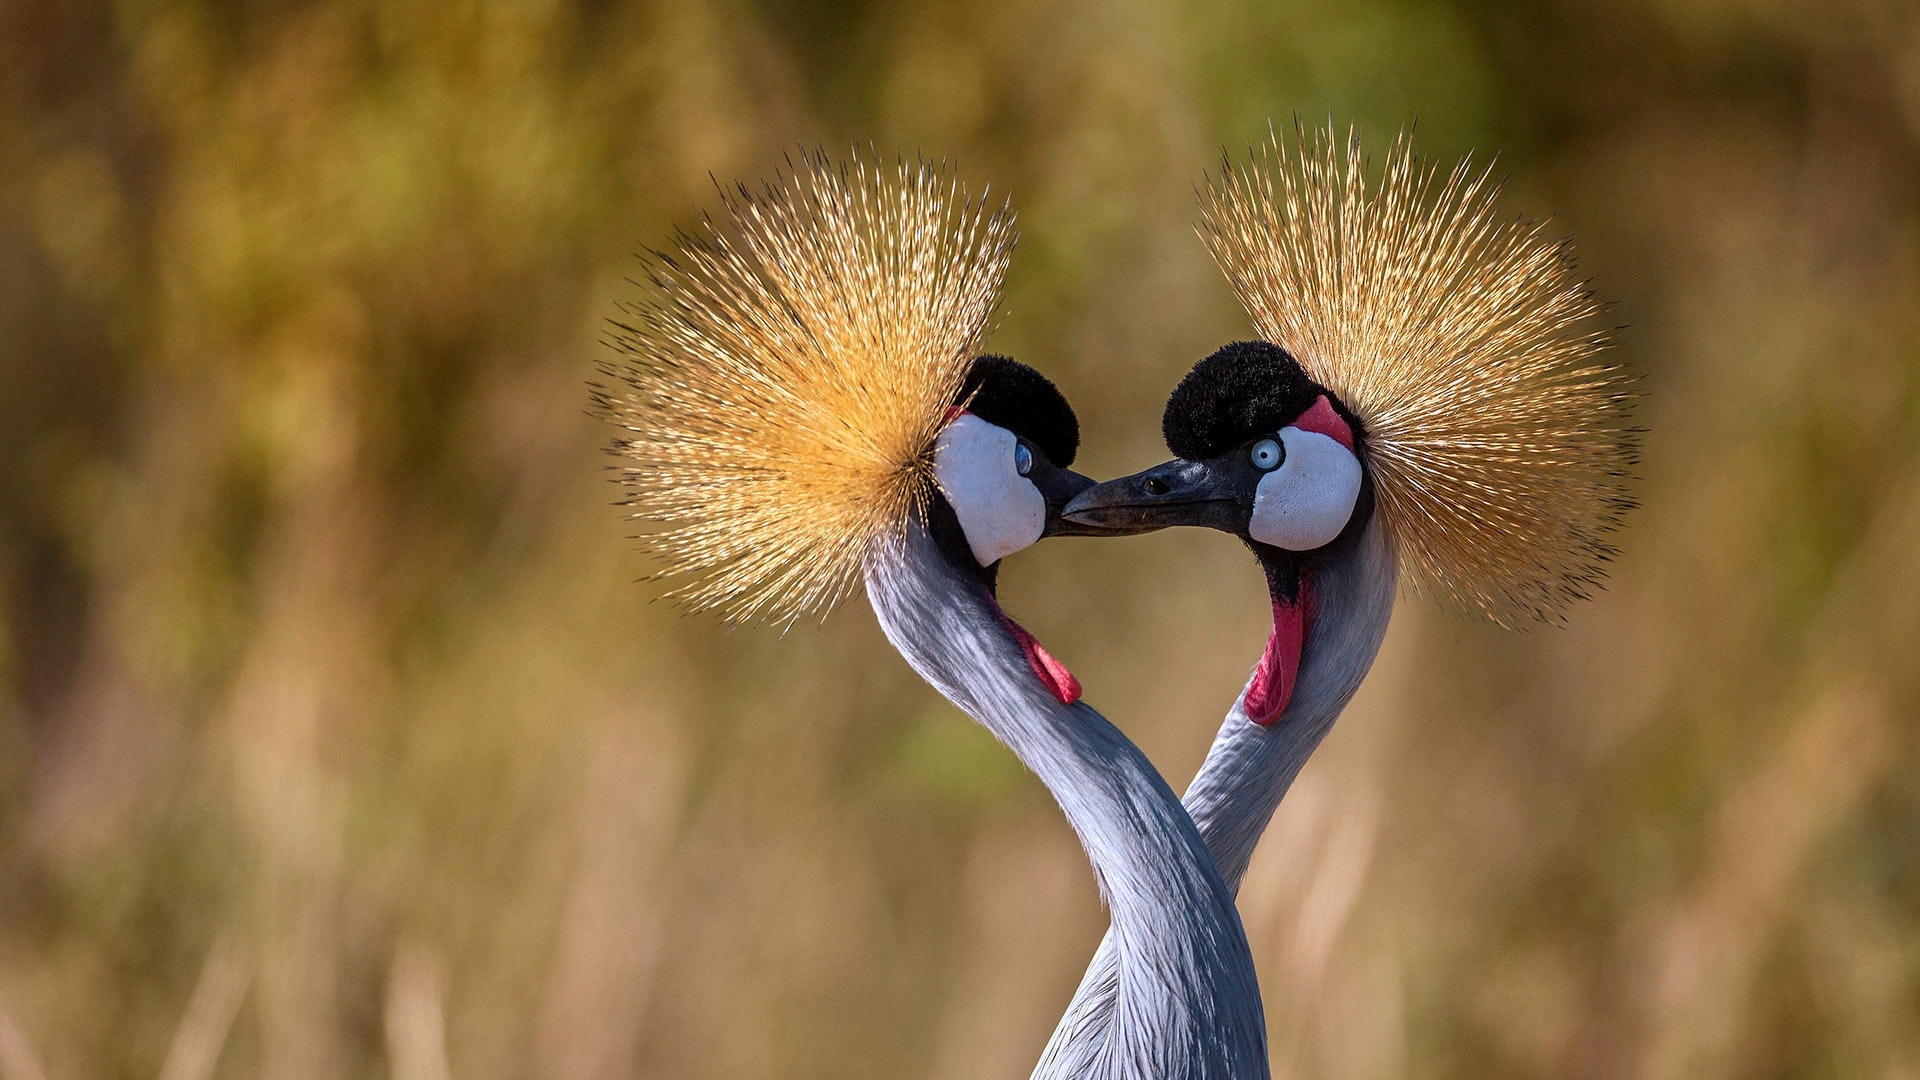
(1000, 466)
(783, 384)
(1427, 366)
(803, 384)
(1264, 452)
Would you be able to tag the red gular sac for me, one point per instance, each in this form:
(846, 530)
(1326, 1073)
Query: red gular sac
(1273, 680)
(1052, 673)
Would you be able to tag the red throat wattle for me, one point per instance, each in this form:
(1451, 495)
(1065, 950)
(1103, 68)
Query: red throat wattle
(1273, 680)
(1052, 673)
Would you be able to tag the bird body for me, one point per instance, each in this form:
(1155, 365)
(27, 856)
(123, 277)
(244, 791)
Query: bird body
(1463, 344)
(802, 408)
(1425, 393)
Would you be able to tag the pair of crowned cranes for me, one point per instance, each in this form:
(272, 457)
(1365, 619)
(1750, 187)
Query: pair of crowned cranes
(804, 405)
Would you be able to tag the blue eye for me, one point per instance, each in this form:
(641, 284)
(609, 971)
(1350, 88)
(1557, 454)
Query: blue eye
(1267, 455)
(1022, 459)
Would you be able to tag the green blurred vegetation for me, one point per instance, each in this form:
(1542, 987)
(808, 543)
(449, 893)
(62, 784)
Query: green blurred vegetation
(337, 740)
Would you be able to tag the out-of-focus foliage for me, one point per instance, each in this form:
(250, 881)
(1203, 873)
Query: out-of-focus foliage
(337, 740)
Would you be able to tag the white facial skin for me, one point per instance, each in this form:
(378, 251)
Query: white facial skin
(977, 466)
(1305, 502)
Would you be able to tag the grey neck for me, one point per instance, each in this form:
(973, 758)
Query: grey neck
(1250, 767)
(1186, 1002)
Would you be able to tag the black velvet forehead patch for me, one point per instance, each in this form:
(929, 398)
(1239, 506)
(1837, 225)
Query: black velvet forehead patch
(1244, 391)
(1016, 397)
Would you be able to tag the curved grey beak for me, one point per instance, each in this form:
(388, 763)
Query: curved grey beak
(1178, 492)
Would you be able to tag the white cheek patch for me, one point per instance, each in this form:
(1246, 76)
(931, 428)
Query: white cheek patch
(1000, 511)
(1305, 502)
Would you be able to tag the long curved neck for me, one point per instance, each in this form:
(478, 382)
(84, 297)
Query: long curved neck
(1250, 767)
(1188, 1004)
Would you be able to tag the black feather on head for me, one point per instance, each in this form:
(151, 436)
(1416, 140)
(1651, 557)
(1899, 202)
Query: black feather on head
(1007, 392)
(1244, 391)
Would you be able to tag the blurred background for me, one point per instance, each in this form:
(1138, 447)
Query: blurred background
(337, 738)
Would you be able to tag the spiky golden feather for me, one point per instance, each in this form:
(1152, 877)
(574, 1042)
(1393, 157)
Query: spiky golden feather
(1498, 443)
(782, 383)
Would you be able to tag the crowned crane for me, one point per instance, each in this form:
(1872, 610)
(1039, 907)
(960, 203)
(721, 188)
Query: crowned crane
(803, 408)
(1426, 392)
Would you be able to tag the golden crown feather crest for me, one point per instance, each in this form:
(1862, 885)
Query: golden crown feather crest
(781, 385)
(1498, 443)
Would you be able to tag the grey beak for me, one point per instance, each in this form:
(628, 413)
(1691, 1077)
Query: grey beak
(1178, 492)
(1061, 487)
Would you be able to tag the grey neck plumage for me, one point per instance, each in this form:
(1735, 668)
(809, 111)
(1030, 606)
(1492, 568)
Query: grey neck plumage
(1185, 1002)
(1250, 767)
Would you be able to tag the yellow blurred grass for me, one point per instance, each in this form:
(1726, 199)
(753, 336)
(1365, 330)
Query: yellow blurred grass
(337, 739)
